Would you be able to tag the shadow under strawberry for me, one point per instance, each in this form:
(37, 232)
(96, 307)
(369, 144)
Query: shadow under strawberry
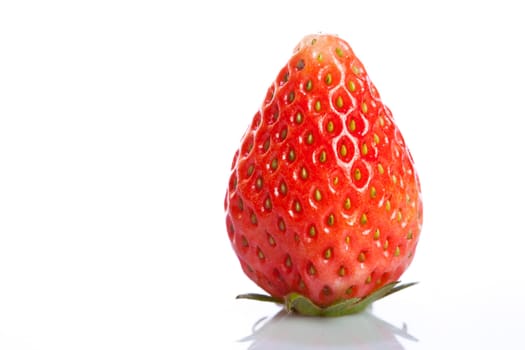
(292, 331)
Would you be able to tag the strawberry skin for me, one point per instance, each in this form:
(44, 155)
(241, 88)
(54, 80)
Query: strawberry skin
(323, 198)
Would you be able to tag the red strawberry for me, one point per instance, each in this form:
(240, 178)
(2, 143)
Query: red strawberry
(323, 204)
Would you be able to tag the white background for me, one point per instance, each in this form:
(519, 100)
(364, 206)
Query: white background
(118, 123)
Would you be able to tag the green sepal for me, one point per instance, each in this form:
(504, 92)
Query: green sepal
(260, 297)
(295, 302)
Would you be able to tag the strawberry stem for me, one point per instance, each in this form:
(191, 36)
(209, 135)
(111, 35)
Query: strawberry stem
(295, 302)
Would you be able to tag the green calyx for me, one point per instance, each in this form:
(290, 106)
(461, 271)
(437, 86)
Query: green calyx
(295, 302)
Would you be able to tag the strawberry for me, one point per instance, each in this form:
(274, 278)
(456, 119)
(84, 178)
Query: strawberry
(323, 206)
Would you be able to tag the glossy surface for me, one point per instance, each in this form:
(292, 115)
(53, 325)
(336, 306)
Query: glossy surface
(118, 120)
(351, 224)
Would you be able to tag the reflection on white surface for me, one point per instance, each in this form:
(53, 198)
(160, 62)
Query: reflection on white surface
(291, 331)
